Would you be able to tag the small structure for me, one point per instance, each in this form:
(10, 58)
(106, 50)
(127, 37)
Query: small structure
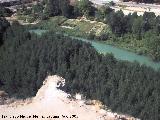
(78, 97)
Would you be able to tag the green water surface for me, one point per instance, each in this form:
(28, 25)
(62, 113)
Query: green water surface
(118, 53)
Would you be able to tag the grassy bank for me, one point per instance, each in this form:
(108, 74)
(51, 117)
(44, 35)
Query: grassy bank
(130, 45)
(92, 30)
(75, 27)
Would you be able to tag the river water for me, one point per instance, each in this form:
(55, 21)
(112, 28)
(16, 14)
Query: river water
(118, 53)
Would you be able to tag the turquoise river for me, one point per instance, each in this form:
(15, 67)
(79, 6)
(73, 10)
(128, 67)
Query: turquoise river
(118, 53)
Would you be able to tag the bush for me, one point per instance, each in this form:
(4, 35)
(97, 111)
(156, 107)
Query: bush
(103, 37)
(91, 36)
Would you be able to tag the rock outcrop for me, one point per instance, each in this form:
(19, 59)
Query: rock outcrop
(51, 103)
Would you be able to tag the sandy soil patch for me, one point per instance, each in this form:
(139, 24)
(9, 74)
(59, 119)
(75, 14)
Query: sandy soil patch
(51, 103)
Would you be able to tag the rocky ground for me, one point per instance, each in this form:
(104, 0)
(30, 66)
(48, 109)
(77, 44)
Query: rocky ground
(51, 103)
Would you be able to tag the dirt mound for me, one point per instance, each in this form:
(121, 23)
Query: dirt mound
(51, 103)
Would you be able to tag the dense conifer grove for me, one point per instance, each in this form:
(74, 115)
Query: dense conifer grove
(26, 59)
(4, 24)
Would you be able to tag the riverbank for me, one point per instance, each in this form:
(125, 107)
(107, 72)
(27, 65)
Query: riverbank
(118, 53)
(93, 30)
(84, 28)
(132, 47)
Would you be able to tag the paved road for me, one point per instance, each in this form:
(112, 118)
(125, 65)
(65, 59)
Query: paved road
(1, 1)
(133, 4)
(102, 2)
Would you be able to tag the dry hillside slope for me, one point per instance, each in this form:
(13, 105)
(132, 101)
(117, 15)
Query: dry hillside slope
(51, 103)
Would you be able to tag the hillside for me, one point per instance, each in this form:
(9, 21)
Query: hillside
(50, 101)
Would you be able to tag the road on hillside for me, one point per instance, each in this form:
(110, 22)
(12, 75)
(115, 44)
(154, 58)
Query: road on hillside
(130, 4)
(102, 2)
(133, 4)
